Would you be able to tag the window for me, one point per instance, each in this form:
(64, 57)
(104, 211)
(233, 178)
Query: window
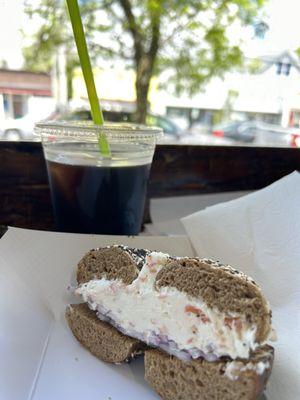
(15, 106)
(6, 105)
(19, 104)
(283, 68)
(260, 29)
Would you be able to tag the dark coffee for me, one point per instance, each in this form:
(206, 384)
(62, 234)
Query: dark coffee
(92, 199)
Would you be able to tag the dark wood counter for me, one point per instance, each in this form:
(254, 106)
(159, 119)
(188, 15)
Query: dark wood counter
(176, 171)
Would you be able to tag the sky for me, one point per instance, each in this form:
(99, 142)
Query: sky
(11, 21)
(282, 17)
(284, 33)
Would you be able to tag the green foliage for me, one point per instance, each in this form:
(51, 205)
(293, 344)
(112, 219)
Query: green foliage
(50, 34)
(192, 39)
(254, 66)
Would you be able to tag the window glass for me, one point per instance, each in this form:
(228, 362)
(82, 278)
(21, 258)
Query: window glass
(227, 75)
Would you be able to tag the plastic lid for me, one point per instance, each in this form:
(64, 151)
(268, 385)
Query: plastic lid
(88, 130)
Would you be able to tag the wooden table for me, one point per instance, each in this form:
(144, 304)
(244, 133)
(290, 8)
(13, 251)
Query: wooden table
(177, 170)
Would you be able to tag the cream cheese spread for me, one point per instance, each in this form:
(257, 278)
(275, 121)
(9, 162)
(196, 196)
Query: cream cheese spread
(168, 318)
(234, 368)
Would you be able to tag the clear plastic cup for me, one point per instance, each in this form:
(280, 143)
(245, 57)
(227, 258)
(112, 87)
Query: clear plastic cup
(91, 193)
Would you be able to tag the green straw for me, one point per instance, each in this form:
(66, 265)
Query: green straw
(87, 72)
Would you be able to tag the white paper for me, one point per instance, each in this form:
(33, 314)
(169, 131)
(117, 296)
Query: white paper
(25, 325)
(39, 357)
(260, 234)
(70, 372)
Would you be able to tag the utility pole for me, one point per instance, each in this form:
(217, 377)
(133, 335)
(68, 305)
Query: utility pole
(59, 79)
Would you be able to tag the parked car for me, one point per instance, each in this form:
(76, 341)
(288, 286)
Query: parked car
(276, 136)
(200, 133)
(258, 134)
(205, 139)
(242, 131)
(171, 130)
(22, 128)
(17, 129)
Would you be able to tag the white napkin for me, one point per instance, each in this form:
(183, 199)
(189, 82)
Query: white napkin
(260, 234)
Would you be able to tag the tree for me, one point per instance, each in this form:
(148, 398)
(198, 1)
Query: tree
(186, 38)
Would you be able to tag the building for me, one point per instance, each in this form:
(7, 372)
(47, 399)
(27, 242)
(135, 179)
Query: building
(25, 93)
(271, 94)
(115, 87)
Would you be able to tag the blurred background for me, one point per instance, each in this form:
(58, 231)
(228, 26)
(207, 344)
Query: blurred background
(222, 72)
